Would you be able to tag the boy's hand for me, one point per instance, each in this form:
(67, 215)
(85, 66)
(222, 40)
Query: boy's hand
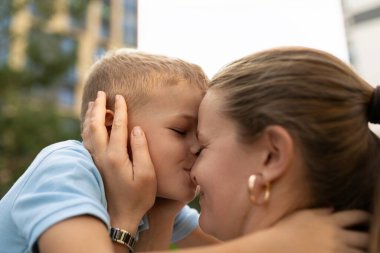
(319, 231)
(130, 187)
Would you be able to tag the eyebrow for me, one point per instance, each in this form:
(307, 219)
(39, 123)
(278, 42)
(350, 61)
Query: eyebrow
(186, 116)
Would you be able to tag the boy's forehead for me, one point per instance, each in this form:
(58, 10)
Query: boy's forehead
(182, 100)
(177, 91)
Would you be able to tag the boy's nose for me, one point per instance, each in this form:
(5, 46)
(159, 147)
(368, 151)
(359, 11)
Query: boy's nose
(195, 148)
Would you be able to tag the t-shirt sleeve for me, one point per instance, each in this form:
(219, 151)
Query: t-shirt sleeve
(65, 184)
(185, 223)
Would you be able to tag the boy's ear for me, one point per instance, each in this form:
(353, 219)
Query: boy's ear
(109, 120)
(279, 154)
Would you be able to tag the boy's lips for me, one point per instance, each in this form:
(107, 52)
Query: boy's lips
(187, 171)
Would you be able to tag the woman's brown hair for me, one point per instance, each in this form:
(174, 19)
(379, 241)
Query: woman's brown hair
(324, 105)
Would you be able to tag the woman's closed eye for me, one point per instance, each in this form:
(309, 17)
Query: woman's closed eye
(199, 151)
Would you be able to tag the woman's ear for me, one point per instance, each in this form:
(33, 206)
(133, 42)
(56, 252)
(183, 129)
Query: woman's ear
(280, 152)
(109, 120)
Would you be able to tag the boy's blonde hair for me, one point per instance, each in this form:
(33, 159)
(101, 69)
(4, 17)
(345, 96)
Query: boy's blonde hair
(134, 74)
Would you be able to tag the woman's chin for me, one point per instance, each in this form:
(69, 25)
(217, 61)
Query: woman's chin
(206, 226)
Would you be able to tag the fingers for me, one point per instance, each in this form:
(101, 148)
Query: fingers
(97, 124)
(351, 218)
(356, 240)
(119, 134)
(142, 162)
(323, 211)
(85, 128)
(355, 251)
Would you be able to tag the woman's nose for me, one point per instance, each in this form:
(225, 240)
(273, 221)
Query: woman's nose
(194, 152)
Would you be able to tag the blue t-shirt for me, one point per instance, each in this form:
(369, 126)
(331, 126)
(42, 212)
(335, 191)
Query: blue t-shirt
(62, 182)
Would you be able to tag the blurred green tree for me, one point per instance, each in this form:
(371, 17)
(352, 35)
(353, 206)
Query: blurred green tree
(30, 117)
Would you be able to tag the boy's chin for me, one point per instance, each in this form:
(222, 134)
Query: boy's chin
(184, 197)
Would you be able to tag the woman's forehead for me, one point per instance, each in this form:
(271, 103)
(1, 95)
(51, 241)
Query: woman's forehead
(211, 120)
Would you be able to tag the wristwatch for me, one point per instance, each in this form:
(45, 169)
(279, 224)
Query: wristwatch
(123, 237)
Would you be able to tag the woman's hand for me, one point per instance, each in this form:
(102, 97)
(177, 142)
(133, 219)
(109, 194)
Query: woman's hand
(130, 186)
(320, 231)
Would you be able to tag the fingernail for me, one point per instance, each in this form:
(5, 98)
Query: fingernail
(137, 131)
(117, 97)
(90, 104)
(99, 93)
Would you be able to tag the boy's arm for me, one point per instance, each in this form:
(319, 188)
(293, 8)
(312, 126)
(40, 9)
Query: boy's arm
(197, 238)
(161, 222)
(161, 218)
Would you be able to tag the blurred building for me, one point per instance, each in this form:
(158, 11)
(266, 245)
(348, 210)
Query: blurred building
(104, 24)
(363, 34)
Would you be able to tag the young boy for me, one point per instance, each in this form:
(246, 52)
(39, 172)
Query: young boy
(163, 97)
(63, 186)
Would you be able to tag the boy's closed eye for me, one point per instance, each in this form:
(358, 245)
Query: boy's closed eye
(179, 131)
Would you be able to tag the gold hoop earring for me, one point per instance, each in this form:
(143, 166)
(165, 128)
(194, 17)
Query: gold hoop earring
(251, 188)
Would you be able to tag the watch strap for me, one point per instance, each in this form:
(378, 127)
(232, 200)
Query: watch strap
(123, 237)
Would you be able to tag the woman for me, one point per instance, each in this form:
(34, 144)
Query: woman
(295, 127)
(295, 135)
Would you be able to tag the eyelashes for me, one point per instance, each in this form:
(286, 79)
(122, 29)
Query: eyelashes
(199, 152)
(178, 131)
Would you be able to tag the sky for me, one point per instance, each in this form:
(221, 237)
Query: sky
(212, 33)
